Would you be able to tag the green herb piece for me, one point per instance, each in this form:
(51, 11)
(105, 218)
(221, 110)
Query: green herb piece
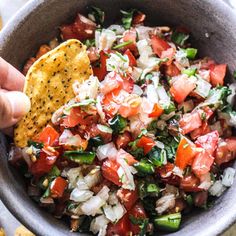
(121, 45)
(117, 123)
(169, 108)
(96, 141)
(80, 157)
(179, 38)
(136, 151)
(121, 56)
(127, 17)
(142, 223)
(35, 144)
(86, 102)
(55, 172)
(144, 168)
(89, 43)
(157, 156)
(190, 72)
(203, 115)
(189, 200)
(169, 223)
(191, 53)
(97, 14)
(47, 192)
(143, 132)
(153, 188)
(234, 74)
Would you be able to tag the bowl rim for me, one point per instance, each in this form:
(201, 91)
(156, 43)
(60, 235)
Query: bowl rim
(21, 213)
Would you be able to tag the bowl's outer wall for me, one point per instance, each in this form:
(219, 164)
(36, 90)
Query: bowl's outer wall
(38, 22)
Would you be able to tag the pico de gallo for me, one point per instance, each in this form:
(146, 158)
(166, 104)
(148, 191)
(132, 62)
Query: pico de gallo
(145, 140)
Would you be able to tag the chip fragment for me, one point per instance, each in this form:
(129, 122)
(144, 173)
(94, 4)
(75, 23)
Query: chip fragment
(49, 86)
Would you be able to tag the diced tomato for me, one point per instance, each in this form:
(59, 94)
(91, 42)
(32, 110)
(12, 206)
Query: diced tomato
(203, 129)
(81, 29)
(128, 110)
(208, 142)
(130, 35)
(169, 54)
(101, 71)
(122, 227)
(158, 45)
(207, 63)
(132, 60)
(200, 198)
(28, 64)
(181, 88)
(110, 107)
(128, 157)
(190, 122)
(156, 111)
(226, 151)
(138, 18)
(202, 163)
(93, 131)
(128, 84)
(137, 212)
(42, 50)
(93, 54)
(208, 112)
(109, 171)
(171, 70)
(58, 187)
(78, 116)
(112, 81)
(146, 143)
(166, 174)
(217, 74)
(190, 183)
(48, 135)
(122, 140)
(43, 165)
(185, 153)
(127, 197)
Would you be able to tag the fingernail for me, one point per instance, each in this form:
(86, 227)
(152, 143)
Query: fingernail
(20, 103)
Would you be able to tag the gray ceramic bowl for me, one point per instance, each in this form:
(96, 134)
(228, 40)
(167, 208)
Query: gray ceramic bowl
(37, 23)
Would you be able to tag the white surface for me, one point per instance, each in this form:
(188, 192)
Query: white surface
(9, 7)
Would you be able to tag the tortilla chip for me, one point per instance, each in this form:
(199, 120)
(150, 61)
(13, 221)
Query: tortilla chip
(49, 86)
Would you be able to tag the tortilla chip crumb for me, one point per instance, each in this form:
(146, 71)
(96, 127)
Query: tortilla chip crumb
(22, 231)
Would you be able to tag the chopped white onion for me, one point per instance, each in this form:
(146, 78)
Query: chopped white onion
(104, 128)
(119, 211)
(125, 174)
(100, 110)
(181, 58)
(203, 87)
(118, 29)
(93, 205)
(137, 90)
(164, 99)
(152, 94)
(113, 200)
(73, 175)
(165, 203)
(99, 225)
(167, 116)
(177, 171)
(109, 213)
(206, 181)
(107, 150)
(160, 144)
(105, 39)
(231, 97)
(228, 176)
(64, 136)
(143, 32)
(93, 177)
(81, 184)
(117, 62)
(217, 188)
(78, 195)
(136, 73)
(88, 89)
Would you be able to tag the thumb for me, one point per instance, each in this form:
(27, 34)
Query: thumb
(13, 105)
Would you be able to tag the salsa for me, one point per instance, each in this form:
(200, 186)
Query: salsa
(146, 139)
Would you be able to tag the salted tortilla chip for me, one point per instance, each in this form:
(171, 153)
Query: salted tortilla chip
(49, 86)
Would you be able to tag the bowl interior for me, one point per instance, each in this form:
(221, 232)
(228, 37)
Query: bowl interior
(38, 22)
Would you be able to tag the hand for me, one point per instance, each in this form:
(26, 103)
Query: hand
(13, 103)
